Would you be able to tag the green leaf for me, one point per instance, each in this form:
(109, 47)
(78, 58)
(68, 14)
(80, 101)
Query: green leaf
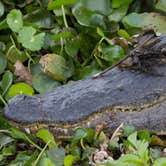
(161, 5)
(3, 62)
(154, 21)
(117, 4)
(98, 6)
(131, 159)
(43, 83)
(144, 135)
(132, 20)
(87, 17)
(141, 147)
(55, 66)
(46, 136)
(29, 39)
(113, 53)
(86, 72)
(18, 134)
(20, 88)
(56, 156)
(69, 160)
(40, 17)
(117, 14)
(46, 162)
(128, 130)
(1, 9)
(80, 133)
(160, 161)
(15, 20)
(100, 32)
(124, 34)
(13, 54)
(72, 47)
(58, 3)
(7, 80)
(5, 140)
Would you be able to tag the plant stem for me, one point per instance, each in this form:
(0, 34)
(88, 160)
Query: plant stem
(2, 99)
(31, 142)
(41, 153)
(64, 16)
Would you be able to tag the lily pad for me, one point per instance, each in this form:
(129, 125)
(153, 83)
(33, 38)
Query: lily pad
(132, 20)
(40, 17)
(154, 21)
(29, 39)
(43, 83)
(88, 17)
(20, 88)
(113, 53)
(55, 66)
(15, 20)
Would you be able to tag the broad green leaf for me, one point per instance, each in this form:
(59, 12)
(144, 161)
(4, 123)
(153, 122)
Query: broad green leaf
(86, 72)
(80, 133)
(72, 47)
(9, 150)
(43, 83)
(55, 66)
(58, 3)
(117, 4)
(57, 156)
(5, 140)
(124, 34)
(87, 17)
(144, 135)
(13, 54)
(128, 130)
(21, 159)
(6, 82)
(117, 14)
(15, 133)
(133, 20)
(15, 20)
(160, 162)
(131, 159)
(41, 17)
(69, 160)
(1, 9)
(46, 162)
(46, 136)
(20, 88)
(113, 53)
(3, 24)
(141, 147)
(29, 39)
(154, 21)
(103, 7)
(161, 5)
(3, 62)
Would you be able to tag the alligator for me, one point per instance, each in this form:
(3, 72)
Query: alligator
(118, 96)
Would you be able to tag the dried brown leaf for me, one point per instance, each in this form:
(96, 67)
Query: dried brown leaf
(22, 73)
